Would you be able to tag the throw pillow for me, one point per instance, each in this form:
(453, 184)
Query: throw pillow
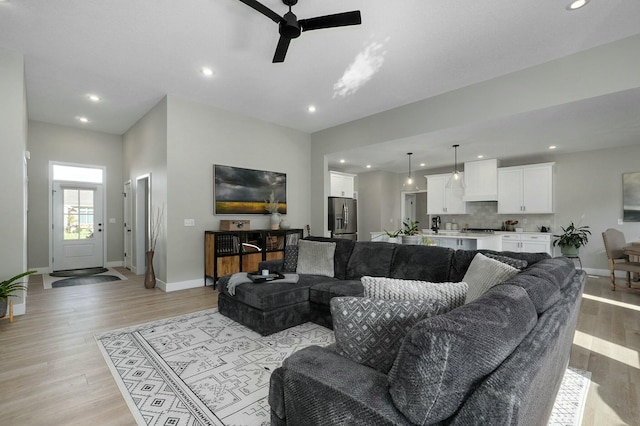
(443, 358)
(516, 263)
(484, 273)
(290, 258)
(370, 331)
(315, 258)
(451, 295)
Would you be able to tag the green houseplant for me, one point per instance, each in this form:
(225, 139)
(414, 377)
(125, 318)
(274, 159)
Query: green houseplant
(8, 288)
(571, 239)
(411, 233)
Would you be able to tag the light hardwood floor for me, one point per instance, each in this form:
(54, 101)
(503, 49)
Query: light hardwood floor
(52, 373)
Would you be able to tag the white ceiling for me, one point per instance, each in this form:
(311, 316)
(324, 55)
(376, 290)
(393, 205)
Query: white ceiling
(132, 53)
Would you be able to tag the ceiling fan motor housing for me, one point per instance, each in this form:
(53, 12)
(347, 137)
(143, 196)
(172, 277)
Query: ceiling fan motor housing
(289, 27)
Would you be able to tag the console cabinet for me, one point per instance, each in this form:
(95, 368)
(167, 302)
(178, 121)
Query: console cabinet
(228, 252)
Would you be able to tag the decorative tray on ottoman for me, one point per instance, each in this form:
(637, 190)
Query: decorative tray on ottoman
(257, 277)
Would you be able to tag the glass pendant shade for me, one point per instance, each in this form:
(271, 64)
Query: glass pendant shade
(410, 183)
(456, 181)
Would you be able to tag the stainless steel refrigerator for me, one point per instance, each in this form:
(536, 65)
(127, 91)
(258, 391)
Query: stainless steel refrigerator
(343, 218)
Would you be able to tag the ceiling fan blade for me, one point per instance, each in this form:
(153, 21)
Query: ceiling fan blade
(264, 10)
(331, 21)
(281, 49)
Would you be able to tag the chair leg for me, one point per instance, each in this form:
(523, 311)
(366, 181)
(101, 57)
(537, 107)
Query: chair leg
(628, 279)
(613, 280)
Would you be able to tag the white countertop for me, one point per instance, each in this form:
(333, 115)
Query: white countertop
(462, 235)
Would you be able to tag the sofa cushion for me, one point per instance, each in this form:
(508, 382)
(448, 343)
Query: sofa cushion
(324, 291)
(443, 358)
(450, 294)
(425, 263)
(316, 258)
(370, 331)
(462, 259)
(516, 263)
(370, 258)
(544, 280)
(484, 273)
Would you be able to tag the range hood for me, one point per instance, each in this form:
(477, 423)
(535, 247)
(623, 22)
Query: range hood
(481, 180)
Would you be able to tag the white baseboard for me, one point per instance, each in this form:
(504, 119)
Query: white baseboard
(115, 264)
(181, 285)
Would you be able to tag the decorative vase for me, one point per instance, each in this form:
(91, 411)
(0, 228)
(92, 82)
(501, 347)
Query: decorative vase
(284, 224)
(149, 274)
(275, 220)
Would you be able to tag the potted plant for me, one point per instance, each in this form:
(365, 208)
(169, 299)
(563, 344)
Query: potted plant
(393, 236)
(571, 239)
(8, 287)
(272, 205)
(411, 233)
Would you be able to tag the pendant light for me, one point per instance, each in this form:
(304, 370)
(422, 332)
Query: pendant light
(456, 181)
(410, 183)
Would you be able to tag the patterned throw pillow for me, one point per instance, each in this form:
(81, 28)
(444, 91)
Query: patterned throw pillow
(290, 258)
(370, 331)
(516, 263)
(315, 258)
(484, 273)
(451, 295)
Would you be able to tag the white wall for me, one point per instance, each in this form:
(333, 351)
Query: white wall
(13, 137)
(51, 142)
(145, 152)
(200, 136)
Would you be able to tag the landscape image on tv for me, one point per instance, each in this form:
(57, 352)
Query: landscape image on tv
(246, 191)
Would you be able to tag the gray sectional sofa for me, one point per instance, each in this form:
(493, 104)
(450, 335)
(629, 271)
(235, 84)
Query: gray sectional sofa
(497, 360)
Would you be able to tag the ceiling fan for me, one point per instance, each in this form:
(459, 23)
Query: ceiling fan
(290, 27)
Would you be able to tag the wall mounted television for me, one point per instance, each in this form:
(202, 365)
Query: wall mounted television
(245, 191)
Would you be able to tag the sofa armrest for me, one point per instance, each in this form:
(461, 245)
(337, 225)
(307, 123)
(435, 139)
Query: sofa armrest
(316, 384)
(272, 265)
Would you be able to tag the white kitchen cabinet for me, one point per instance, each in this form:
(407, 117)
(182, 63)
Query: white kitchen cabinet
(441, 200)
(525, 189)
(342, 184)
(481, 180)
(455, 243)
(527, 243)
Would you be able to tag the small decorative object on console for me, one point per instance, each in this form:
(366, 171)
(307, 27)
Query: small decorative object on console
(235, 225)
(258, 277)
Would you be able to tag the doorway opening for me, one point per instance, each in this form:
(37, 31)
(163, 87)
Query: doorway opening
(77, 217)
(143, 221)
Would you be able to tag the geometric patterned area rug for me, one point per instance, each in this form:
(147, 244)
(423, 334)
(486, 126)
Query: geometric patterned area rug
(201, 368)
(571, 398)
(205, 369)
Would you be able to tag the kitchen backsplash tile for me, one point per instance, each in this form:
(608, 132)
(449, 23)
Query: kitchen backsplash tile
(484, 214)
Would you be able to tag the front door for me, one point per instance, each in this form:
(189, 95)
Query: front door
(77, 226)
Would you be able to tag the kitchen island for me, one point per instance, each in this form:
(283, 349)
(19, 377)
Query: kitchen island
(456, 239)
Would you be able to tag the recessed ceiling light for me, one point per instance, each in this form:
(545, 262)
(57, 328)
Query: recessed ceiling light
(577, 4)
(82, 119)
(368, 166)
(206, 71)
(480, 156)
(423, 164)
(552, 147)
(311, 108)
(343, 161)
(93, 98)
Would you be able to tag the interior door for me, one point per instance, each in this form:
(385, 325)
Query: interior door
(77, 226)
(128, 224)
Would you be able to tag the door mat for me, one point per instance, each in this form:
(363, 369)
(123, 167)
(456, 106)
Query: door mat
(78, 272)
(48, 281)
(93, 279)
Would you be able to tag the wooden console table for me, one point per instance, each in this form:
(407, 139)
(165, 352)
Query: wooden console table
(228, 252)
